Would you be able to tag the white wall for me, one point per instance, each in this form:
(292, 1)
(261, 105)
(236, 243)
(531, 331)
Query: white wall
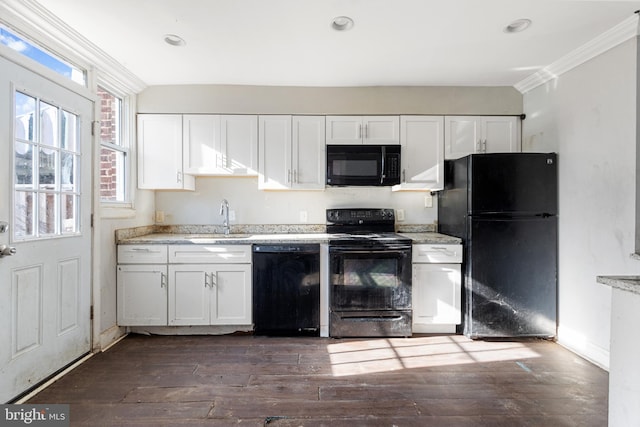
(109, 221)
(253, 206)
(588, 116)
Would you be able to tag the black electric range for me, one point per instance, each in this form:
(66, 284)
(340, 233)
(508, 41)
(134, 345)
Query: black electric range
(370, 274)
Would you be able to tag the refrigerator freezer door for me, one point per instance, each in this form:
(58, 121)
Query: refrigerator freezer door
(511, 277)
(519, 183)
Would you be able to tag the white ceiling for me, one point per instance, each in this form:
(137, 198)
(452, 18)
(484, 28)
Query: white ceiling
(291, 42)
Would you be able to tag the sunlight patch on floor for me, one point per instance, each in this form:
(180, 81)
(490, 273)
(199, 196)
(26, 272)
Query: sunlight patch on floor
(364, 356)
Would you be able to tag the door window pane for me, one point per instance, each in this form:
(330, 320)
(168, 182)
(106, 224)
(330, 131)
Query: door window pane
(25, 117)
(23, 160)
(47, 214)
(46, 185)
(69, 204)
(47, 169)
(49, 132)
(23, 214)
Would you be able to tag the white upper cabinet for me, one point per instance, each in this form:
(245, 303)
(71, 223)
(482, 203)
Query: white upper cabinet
(220, 144)
(160, 165)
(422, 153)
(481, 134)
(308, 152)
(238, 150)
(201, 142)
(363, 130)
(292, 152)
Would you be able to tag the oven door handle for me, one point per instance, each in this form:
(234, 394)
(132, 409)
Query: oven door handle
(400, 250)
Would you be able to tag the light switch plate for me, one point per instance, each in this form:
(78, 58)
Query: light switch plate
(303, 216)
(159, 216)
(400, 214)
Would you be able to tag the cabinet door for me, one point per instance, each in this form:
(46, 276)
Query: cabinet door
(142, 295)
(275, 171)
(238, 145)
(381, 130)
(344, 130)
(422, 141)
(231, 296)
(308, 152)
(160, 153)
(190, 288)
(436, 294)
(500, 134)
(462, 136)
(200, 137)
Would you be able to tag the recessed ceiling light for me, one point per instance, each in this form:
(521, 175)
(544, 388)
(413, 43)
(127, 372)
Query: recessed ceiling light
(342, 23)
(174, 40)
(517, 26)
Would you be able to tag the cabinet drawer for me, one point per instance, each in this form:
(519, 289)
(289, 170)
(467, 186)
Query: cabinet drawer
(142, 254)
(194, 254)
(437, 253)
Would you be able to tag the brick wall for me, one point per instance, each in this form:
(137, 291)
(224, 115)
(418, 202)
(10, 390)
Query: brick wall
(108, 133)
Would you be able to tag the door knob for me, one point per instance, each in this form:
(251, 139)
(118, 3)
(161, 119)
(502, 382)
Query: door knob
(6, 250)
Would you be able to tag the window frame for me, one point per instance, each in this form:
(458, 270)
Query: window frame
(112, 208)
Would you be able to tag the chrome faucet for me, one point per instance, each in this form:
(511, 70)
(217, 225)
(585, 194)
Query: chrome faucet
(224, 210)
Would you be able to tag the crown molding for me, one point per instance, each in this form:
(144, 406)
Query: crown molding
(607, 40)
(32, 19)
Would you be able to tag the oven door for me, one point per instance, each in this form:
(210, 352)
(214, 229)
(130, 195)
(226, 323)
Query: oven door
(363, 165)
(370, 279)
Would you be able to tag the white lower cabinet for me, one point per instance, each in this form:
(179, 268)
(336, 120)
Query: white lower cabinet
(210, 285)
(210, 294)
(142, 295)
(184, 285)
(436, 288)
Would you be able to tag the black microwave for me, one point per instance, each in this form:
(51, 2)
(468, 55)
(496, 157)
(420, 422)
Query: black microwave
(363, 165)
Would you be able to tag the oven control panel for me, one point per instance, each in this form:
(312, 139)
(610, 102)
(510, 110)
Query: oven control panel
(360, 216)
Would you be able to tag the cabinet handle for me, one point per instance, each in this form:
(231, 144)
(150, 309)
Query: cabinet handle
(484, 146)
(360, 131)
(288, 175)
(366, 131)
(179, 177)
(479, 146)
(206, 283)
(213, 280)
(140, 250)
(163, 280)
(404, 175)
(295, 176)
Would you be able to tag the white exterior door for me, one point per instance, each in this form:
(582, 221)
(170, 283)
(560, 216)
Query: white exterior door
(45, 197)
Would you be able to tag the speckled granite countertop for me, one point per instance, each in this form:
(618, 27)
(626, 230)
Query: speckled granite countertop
(625, 283)
(260, 234)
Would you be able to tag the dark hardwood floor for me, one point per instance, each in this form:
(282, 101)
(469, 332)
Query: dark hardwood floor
(263, 381)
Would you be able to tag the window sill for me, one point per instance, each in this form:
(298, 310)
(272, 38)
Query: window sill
(117, 212)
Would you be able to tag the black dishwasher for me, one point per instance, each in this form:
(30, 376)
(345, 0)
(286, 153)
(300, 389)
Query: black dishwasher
(286, 289)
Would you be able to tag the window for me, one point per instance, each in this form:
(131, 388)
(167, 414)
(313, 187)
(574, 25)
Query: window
(46, 169)
(49, 60)
(114, 152)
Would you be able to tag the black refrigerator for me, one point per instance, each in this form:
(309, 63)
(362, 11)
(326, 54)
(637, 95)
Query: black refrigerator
(504, 207)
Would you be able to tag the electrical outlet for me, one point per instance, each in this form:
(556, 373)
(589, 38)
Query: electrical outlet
(232, 215)
(428, 201)
(159, 216)
(400, 214)
(303, 216)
